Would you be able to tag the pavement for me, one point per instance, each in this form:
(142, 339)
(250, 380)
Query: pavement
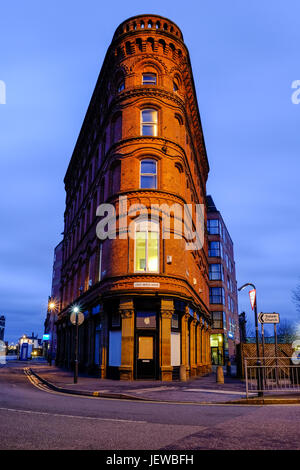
(198, 390)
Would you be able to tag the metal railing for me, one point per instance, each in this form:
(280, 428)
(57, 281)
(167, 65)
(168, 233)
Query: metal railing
(274, 375)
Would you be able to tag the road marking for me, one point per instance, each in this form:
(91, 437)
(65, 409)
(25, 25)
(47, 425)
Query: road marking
(44, 413)
(44, 388)
(225, 392)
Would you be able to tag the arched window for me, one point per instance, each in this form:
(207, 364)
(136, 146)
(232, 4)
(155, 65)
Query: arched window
(148, 174)
(116, 128)
(146, 246)
(149, 122)
(149, 79)
(115, 177)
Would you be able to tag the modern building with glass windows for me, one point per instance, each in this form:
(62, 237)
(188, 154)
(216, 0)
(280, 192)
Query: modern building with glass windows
(143, 291)
(222, 288)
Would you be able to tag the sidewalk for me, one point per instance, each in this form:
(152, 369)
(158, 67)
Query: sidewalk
(198, 390)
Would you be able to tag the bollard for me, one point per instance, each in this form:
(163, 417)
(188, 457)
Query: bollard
(182, 373)
(228, 369)
(220, 375)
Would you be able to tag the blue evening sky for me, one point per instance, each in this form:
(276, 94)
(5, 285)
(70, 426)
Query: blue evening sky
(245, 56)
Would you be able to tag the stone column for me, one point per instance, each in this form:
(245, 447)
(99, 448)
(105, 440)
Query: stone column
(199, 346)
(193, 366)
(127, 348)
(203, 348)
(184, 333)
(103, 343)
(209, 366)
(167, 310)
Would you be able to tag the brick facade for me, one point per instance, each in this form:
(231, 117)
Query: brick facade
(146, 67)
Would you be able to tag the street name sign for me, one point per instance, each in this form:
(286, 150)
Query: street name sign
(268, 317)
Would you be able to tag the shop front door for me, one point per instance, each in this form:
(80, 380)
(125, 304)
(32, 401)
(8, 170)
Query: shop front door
(146, 357)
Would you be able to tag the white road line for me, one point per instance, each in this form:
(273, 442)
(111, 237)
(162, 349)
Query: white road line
(225, 392)
(72, 416)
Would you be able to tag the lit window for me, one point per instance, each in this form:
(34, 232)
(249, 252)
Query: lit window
(148, 174)
(217, 320)
(146, 246)
(149, 122)
(149, 79)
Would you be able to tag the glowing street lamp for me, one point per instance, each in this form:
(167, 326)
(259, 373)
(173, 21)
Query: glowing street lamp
(51, 308)
(77, 319)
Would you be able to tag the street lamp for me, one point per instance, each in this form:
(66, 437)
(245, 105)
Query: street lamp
(258, 363)
(51, 309)
(76, 312)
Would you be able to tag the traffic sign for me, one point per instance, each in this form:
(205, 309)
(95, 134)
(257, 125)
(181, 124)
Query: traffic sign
(252, 295)
(268, 317)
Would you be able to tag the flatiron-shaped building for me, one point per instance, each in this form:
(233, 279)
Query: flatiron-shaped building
(141, 285)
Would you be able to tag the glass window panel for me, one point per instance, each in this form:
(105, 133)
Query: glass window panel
(149, 78)
(140, 251)
(149, 129)
(153, 251)
(148, 182)
(145, 347)
(149, 115)
(148, 166)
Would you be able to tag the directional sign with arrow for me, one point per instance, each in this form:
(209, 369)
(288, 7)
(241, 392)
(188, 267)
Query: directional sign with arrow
(268, 317)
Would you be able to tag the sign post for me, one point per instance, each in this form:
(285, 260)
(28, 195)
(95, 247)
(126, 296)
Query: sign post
(271, 318)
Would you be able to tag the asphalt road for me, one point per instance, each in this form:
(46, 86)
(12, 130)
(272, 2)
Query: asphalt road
(34, 419)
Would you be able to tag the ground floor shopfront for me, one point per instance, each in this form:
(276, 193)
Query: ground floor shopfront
(138, 338)
(223, 348)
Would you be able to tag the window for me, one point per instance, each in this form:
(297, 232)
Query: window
(149, 122)
(216, 272)
(121, 86)
(115, 319)
(149, 79)
(217, 320)
(175, 321)
(146, 246)
(216, 295)
(215, 249)
(148, 174)
(213, 227)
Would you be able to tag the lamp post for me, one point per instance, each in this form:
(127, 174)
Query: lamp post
(51, 308)
(258, 362)
(76, 319)
(76, 311)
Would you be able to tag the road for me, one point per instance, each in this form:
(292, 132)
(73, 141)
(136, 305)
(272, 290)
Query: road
(31, 418)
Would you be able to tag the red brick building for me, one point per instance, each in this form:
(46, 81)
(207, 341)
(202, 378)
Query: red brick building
(222, 288)
(145, 298)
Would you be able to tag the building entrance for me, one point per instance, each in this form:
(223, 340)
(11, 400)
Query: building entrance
(146, 355)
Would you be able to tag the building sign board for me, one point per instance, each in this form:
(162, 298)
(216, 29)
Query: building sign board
(147, 284)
